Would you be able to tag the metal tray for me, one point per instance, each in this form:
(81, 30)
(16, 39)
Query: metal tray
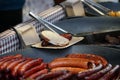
(89, 24)
(78, 25)
(112, 55)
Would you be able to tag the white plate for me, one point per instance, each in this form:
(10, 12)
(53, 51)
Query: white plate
(73, 41)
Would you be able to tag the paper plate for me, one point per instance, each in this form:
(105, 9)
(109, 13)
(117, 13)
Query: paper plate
(73, 41)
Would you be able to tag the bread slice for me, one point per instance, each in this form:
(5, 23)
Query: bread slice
(54, 38)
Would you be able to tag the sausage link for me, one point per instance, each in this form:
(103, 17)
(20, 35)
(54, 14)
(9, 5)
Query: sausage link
(3, 62)
(17, 67)
(66, 76)
(7, 63)
(30, 65)
(51, 75)
(89, 72)
(39, 73)
(6, 57)
(45, 43)
(3, 67)
(34, 70)
(9, 58)
(110, 74)
(71, 69)
(97, 75)
(71, 62)
(67, 35)
(117, 77)
(13, 64)
(67, 59)
(96, 58)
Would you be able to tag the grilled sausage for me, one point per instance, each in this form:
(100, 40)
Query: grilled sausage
(67, 35)
(13, 64)
(4, 66)
(39, 73)
(71, 69)
(66, 76)
(7, 63)
(45, 43)
(97, 75)
(51, 75)
(3, 62)
(117, 77)
(96, 58)
(30, 65)
(13, 57)
(8, 58)
(110, 74)
(66, 59)
(18, 67)
(71, 62)
(34, 70)
(89, 72)
(5, 59)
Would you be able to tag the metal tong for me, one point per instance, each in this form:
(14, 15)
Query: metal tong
(97, 7)
(92, 7)
(46, 23)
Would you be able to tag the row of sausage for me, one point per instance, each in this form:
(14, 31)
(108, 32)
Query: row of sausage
(71, 67)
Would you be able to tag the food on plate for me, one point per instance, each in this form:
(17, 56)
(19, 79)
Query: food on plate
(67, 35)
(45, 43)
(53, 38)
